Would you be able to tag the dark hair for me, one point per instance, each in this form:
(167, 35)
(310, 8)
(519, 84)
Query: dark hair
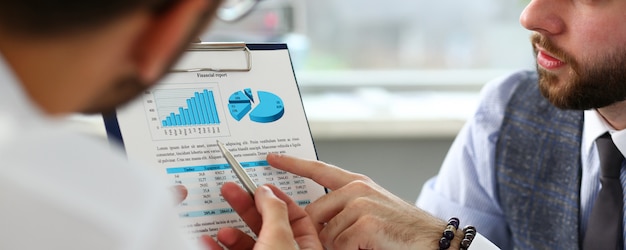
(49, 17)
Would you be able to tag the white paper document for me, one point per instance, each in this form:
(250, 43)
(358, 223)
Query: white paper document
(174, 127)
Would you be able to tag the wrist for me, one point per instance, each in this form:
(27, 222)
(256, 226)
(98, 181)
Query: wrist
(454, 237)
(455, 244)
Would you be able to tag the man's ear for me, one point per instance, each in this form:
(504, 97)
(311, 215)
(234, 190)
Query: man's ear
(166, 34)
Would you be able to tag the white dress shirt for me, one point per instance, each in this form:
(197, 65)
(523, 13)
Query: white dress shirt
(63, 190)
(465, 185)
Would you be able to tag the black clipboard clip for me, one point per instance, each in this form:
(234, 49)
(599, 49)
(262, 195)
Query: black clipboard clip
(209, 46)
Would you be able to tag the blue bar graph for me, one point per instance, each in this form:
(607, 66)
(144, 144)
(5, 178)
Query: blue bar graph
(199, 110)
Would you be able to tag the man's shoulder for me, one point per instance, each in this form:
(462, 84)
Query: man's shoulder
(496, 94)
(64, 155)
(51, 139)
(507, 84)
(75, 179)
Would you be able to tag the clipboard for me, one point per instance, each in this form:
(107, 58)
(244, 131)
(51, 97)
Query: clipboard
(194, 64)
(244, 95)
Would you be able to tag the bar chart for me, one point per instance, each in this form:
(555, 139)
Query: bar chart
(200, 110)
(184, 112)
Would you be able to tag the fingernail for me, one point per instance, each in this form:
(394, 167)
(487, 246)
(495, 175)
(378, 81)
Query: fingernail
(265, 190)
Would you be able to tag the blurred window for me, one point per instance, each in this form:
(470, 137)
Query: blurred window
(363, 65)
(388, 34)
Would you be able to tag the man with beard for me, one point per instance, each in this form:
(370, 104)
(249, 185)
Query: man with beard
(525, 169)
(63, 190)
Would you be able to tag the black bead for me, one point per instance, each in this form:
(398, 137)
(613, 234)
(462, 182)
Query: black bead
(444, 243)
(448, 234)
(465, 243)
(454, 221)
(468, 228)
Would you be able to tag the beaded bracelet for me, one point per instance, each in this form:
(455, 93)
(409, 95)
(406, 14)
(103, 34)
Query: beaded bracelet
(448, 233)
(469, 232)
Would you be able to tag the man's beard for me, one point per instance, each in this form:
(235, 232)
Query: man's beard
(593, 83)
(125, 89)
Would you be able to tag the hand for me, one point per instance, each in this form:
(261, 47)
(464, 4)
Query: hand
(288, 223)
(359, 214)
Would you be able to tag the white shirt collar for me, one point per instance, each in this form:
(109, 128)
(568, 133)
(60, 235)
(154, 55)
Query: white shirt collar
(595, 125)
(16, 109)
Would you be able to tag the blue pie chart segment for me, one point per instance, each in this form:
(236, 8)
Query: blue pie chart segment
(238, 97)
(269, 108)
(248, 92)
(239, 110)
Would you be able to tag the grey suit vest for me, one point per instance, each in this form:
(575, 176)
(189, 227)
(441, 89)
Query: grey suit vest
(538, 170)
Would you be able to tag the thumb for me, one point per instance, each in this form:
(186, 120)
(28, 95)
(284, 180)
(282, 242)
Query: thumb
(276, 227)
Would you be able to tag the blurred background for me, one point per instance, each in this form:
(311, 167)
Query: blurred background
(387, 84)
(388, 34)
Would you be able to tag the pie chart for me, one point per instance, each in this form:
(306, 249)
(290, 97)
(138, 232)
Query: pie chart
(267, 108)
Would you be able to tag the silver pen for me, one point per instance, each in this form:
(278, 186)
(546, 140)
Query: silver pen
(245, 179)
